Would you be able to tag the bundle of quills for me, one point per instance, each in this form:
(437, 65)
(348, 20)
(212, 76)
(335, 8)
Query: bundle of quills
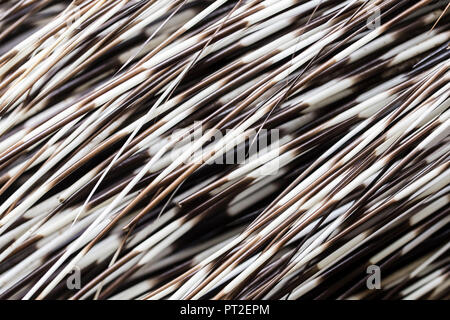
(128, 131)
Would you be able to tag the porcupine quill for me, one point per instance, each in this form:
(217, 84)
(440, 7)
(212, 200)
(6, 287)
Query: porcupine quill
(224, 149)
